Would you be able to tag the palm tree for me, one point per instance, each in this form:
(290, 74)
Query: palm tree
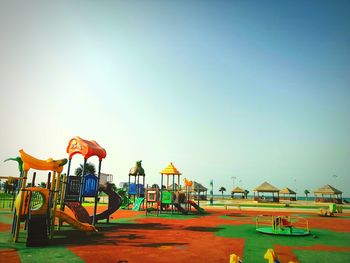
(114, 187)
(246, 192)
(89, 169)
(306, 193)
(222, 190)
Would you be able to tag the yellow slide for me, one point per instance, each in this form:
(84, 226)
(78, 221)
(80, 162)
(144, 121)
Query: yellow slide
(75, 223)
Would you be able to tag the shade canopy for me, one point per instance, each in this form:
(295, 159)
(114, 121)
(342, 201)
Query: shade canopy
(197, 187)
(238, 190)
(266, 187)
(287, 191)
(327, 190)
(170, 169)
(86, 148)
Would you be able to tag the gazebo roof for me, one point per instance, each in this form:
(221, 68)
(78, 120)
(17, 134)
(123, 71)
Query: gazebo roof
(197, 186)
(170, 169)
(287, 191)
(238, 190)
(328, 190)
(266, 187)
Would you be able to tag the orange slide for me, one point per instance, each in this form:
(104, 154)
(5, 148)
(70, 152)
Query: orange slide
(73, 222)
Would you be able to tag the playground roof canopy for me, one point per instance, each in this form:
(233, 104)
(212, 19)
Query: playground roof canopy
(170, 169)
(30, 162)
(137, 169)
(266, 187)
(327, 190)
(85, 148)
(238, 190)
(287, 191)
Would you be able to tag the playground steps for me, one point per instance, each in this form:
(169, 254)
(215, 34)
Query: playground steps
(79, 211)
(37, 234)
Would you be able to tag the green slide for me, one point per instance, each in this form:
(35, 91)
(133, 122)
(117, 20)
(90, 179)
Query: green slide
(138, 203)
(198, 208)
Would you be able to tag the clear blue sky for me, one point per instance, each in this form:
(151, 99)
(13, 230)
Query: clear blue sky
(258, 90)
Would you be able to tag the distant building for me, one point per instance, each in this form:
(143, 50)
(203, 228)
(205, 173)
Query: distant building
(104, 178)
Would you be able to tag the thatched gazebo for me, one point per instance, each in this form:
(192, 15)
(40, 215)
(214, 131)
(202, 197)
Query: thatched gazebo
(288, 194)
(335, 195)
(266, 188)
(198, 191)
(239, 191)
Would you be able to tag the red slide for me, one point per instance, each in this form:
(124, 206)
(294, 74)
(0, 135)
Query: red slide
(114, 202)
(79, 212)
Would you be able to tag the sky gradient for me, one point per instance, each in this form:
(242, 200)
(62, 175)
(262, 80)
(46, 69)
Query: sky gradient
(258, 90)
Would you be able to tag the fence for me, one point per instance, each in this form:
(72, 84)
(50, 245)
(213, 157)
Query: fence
(6, 201)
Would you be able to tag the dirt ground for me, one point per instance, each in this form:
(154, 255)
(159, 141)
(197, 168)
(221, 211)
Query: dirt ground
(131, 236)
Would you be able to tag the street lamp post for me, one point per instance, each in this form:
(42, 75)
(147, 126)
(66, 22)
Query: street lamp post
(233, 181)
(335, 181)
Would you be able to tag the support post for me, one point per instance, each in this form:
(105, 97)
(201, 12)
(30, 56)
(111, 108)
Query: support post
(63, 192)
(161, 194)
(129, 196)
(33, 179)
(55, 198)
(172, 195)
(64, 187)
(82, 182)
(48, 181)
(96, 197)
(20, 206)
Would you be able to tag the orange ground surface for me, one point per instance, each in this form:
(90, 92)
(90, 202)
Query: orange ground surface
(161, 239)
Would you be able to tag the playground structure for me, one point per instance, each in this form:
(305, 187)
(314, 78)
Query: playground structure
(331, 210)
(271, 256)
(282, 225)
(171, 198)
(235, 259)
(37, 206)
(167, 195)
(136, 190)
(75, 188)
(40, 216)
